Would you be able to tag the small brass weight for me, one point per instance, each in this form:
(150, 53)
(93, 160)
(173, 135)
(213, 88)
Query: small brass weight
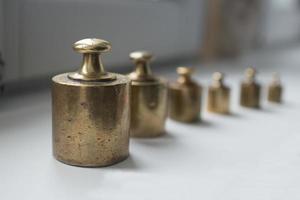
(90, 110)
(185, 97)
(218, 95)
(149, 98)
(250, 90)
(275, 90)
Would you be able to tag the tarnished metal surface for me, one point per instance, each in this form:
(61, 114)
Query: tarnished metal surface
(218, 95)
(149, 99)
(250, 90)
(275, 90)
(91, 117)
(185, 97)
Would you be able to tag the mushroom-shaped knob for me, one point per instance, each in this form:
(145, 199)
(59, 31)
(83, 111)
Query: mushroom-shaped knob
(142, 70)
(185, 71)
(92, 68)
(250, 72)
(185, 75)
(217, 78)
(141, 56)
(92, 45)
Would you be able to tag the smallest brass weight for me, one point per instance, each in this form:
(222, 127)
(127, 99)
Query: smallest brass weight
(218, 95)
(275, 89)
(250, 90)
(185, 97)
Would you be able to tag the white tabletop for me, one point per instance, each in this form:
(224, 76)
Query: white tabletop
(250, 155)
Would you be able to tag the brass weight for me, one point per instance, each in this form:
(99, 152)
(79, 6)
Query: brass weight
(275, 90)
(250, 90)
(185, 97)
(149, 98)
(90, 110)
(218, 100)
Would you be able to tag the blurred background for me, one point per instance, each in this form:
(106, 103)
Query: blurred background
(36, 35)
(249, 155)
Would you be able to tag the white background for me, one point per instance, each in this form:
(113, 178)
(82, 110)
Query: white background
(250, 155)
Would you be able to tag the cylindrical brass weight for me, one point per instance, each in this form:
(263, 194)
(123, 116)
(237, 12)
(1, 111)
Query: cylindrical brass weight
(250, 90)
(149, 98)
(218, 100)
(91, 111)
(275, 90)
(185, 97)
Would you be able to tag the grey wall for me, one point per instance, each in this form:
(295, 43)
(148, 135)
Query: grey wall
(1, 25)
(38, 34)
(281, 21)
